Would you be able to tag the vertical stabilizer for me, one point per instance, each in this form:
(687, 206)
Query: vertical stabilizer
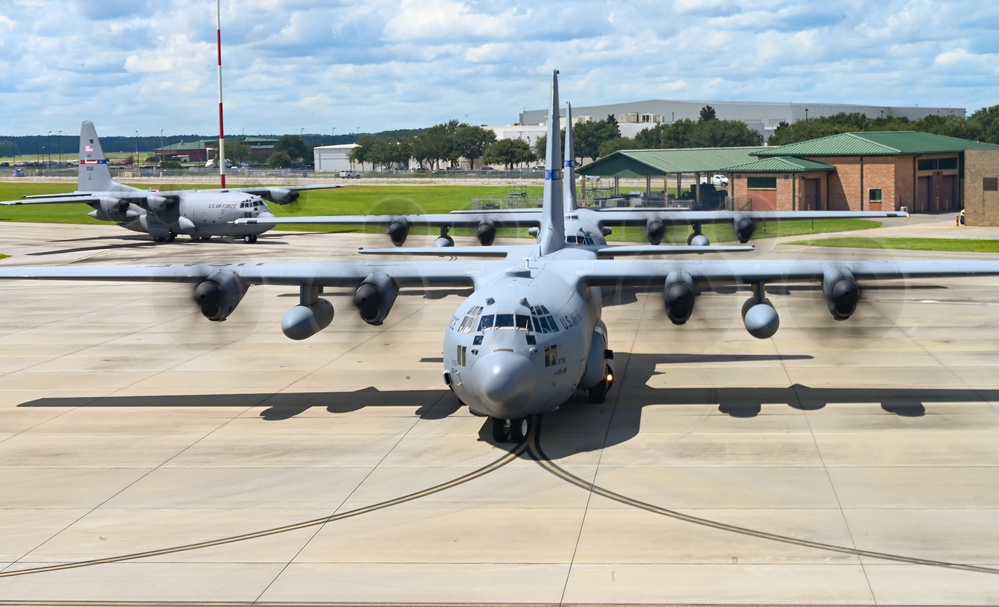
(569, 176)
(552, 237)
(94, 173)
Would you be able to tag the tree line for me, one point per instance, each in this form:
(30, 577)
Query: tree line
(445, 145)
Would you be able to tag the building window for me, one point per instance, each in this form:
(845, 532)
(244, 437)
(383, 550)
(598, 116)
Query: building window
(947, 164)
(990, 184)
(875, 195)
(929, 164)
(761, 183)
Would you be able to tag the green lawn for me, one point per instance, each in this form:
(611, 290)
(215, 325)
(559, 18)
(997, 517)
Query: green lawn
(909, 244)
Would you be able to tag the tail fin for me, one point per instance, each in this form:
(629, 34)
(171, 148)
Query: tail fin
(569, 176)
(553, 209)
(94, 173)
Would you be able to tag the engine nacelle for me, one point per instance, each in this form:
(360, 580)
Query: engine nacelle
(760, 319)
(398, 231)
(744, 226)
(841, 291)
(655, 230)
(159, 204)
(374, 298)
(678, 295)
(304, 321)
(113, 209)
(281, 195)
(219, 294)
(486, 232)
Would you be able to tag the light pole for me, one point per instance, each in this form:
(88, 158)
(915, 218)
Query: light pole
(136, 161)
(48, 144)
(59, 146)
(806, 114)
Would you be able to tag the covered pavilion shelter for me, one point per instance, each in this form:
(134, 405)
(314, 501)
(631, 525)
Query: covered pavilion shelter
(694, 163)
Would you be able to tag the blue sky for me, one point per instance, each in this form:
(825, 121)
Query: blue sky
(294, 65)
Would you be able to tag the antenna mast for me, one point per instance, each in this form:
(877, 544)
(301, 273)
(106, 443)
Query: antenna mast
(218, 43)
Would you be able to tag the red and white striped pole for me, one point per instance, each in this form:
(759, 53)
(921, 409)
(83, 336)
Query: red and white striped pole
(218, 41)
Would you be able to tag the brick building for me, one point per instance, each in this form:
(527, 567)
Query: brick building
(870, 171)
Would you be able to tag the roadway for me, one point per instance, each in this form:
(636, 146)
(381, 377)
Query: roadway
(148, 456)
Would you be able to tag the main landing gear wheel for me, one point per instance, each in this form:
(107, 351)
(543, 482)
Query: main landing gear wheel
(501, 429)
(598, 393)
(519, 428)
(250, 238)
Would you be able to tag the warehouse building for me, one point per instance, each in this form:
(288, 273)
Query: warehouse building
(763, 117)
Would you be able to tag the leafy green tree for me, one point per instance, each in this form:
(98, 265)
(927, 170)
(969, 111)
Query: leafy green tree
(509, 153)
(8, 148)
(589, 136)
(986, 120)
(707, 114)
(279, 160)
(294, 146)
(722, 134)
(471, 142)
(613, 145)
(237, 151)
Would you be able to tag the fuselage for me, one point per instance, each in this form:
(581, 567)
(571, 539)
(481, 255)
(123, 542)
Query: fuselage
(520, 344)
(200, 214)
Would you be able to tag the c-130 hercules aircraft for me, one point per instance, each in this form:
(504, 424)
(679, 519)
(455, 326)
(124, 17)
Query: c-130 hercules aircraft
(199, 214)
(530, 334)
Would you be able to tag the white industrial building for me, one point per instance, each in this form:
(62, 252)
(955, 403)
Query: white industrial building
(760, 116)
(333, 158)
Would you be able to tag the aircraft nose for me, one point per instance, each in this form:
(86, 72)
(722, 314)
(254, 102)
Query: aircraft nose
(505, 382)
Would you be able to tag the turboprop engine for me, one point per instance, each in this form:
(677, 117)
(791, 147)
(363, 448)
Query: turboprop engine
(158, 205)
(486, 232)
(841, 291)
(655, 230)
(744, 226)
(219, 294)
(679, 296)
(113, 209)
(281, 195)
(374, 298)
(398, 231)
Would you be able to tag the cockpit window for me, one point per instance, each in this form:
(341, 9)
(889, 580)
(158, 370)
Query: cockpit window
(542, 320)
(505, 321)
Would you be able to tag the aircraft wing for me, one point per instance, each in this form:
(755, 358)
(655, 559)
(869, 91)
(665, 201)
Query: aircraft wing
(319, 274)
(640, 217)
(470, 220)
(284, 194)
(742, 271)
(74, 198)
(600, 250)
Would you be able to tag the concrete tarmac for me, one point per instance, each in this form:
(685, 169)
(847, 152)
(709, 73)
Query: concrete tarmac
(148, 456)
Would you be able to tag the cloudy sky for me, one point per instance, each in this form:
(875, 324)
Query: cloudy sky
(373, 65)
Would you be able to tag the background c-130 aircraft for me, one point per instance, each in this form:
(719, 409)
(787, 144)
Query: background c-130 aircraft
(583, 226)
(164, 215)
(530, 334)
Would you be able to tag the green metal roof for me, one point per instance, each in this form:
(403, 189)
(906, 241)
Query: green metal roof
(875, 143)
(655, 163)
(779, 164)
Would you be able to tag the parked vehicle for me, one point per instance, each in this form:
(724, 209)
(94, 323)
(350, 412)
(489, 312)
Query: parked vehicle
(349, 175)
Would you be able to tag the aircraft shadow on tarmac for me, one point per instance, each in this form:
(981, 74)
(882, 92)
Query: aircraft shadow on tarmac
(583, 425)
(139, 241)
